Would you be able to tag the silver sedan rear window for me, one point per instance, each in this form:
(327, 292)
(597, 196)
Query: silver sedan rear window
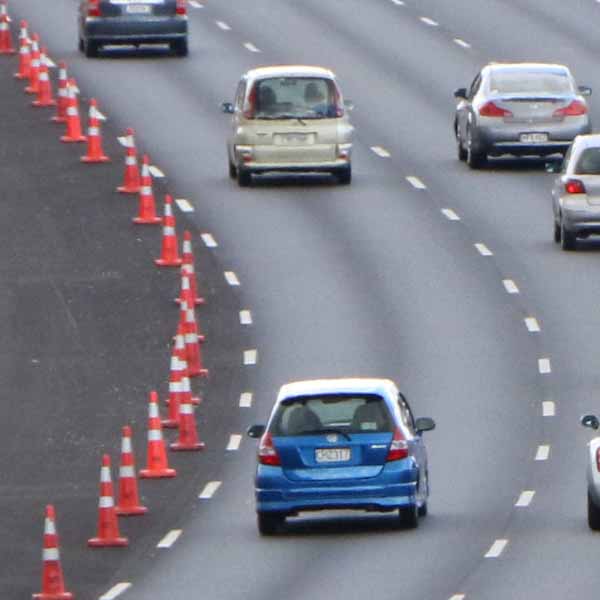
(526, 82)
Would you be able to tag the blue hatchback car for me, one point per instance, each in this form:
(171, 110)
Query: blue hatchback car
(341, 444)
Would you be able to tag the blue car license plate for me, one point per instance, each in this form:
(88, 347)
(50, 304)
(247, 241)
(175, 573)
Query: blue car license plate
(327, 455)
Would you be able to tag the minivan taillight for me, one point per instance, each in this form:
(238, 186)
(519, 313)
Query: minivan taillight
(181, 8)
(398, 447)
(250, 104)
(574, 109)
(574, 186)
(339, 106)
(93, 8)
(267, 455)
(489, 109)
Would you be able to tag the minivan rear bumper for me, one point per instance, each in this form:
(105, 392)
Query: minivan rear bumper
(115, 30)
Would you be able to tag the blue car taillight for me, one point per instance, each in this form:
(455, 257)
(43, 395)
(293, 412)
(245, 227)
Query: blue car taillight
(398, 447)
(267, 455)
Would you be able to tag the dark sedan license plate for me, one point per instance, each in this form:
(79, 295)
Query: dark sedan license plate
(327, 455)
(534, 138)
(138, 9)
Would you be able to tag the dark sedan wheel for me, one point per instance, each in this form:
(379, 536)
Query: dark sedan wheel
(461, 152)
(269, 523)
(567, 238)
(557, 234)
(474, 159)
(593, 513)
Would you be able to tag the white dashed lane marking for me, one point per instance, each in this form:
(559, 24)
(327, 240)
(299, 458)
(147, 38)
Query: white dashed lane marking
(483, 250)
(184, 205)
(548, 408)
(250, 357)
(195, 4)
(544, 366)
(210, 489)
(525, 499)
(156, 172)
(231, 278)
(450, 214)
(170, 538)
(245, 317)
(429, 21)
(251, 47)
(246, 400)
(457, 597)
(381, 152)
(209, 240)
(510, 286)
(115, 591)
(462, 43)
(532, 325)
(223, 26)
(543, 452)
(496, 549)
(416, 182)
(234, 442)
(398, 2)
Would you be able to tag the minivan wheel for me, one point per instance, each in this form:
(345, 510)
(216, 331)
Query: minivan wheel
(344, 175)
(567, 238)
(244, 177)
(593, 513)
(180, 47)
(557, 233)
(91, 48)
(80, 46)
(409, 516)
(269, 522)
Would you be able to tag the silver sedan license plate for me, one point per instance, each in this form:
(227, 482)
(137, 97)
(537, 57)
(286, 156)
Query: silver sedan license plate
(327, 455)
(534, 138)
(138, 9)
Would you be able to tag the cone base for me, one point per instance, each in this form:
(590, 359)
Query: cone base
(157, 474)
(30, 90)
(170, 423)
(57, 596)
(178, 447)
(94, 159)
(197, 301)
(161, 262)
(127, 189)
(199, 373)
(147, 221)
(38, 103)
(21, 75)
(130, 511)
(56, 119)
(70, 140)
(118, 542)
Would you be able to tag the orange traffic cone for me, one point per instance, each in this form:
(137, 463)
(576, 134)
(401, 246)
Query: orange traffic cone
(129, 498)
(179, 350)
(147, 207)
(34, 65)
(44, 94)
(157, 465)
(62, 93)
(24, 52)
(176, 372)
(108, 525)
(6, 45)
(95, 154)
(187, 317)
(73, 133)
(188, 434)
(169, 256)
(192, 345)
(131, 177)
(53, 584)
(188, 267)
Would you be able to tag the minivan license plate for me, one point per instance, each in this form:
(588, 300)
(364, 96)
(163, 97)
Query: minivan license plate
(534, 138)
(138, 9)
(323, 455)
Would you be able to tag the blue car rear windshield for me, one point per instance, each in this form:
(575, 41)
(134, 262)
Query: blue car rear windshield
(347, 413)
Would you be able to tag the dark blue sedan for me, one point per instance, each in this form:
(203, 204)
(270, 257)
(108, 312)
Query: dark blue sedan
(341, 444)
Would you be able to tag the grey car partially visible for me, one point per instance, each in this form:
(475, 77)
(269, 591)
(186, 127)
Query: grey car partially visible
(520, 109)
(576, 193)
(132, 22)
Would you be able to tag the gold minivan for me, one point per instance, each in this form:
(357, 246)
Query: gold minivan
(289, 118)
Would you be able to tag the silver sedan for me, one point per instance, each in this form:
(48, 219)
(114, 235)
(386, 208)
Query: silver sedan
(520, 109)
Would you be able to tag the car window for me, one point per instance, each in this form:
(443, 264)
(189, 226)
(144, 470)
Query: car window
(588, 162)
(406, 414)
(507, 81)
(348, 413)
(297, 97)
(239, 95)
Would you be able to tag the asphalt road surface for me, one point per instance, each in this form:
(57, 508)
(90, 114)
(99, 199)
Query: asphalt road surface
(373, 279)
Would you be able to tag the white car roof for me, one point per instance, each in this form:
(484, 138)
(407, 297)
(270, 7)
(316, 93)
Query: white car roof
(351, 385)
(289, 71)
(528, 66)
(591, 140)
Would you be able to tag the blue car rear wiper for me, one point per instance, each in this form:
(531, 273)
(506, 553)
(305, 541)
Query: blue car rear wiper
(326, 430)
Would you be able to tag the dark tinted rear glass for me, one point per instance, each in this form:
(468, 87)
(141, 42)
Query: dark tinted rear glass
(507, 81)
(347, 413)
(589, 162)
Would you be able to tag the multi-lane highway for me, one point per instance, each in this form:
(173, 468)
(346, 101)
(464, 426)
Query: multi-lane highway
(444, 279)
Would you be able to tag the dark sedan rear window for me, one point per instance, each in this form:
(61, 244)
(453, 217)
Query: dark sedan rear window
(589, 162)
(349, 413)
(530, 82)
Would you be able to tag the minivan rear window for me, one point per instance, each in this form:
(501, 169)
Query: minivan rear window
(347, 413)
(294, 97)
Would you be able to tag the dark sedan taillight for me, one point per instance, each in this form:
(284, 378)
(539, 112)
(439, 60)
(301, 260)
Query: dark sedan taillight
(490, 109)
(574, 109)
(574, 186)
(181, 8)
(93, 8)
